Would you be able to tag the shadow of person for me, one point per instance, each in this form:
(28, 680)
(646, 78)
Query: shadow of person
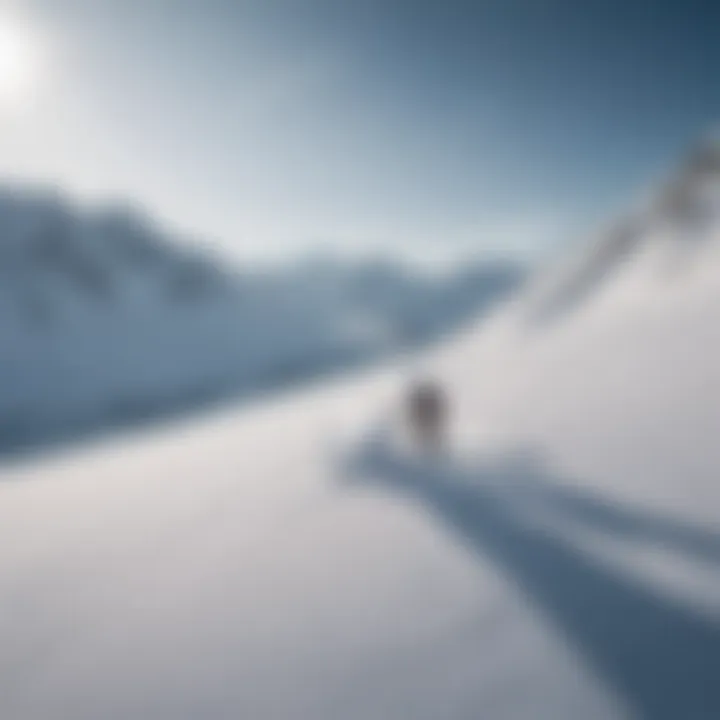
(661, 657)
(702, 543)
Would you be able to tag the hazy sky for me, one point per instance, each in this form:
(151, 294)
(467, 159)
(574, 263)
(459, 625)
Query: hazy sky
(432, 128)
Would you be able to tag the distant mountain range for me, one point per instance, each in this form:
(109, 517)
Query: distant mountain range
(105, 320)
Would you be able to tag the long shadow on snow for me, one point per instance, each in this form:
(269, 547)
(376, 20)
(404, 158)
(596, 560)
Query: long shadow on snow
(662, 658)
(593, 510)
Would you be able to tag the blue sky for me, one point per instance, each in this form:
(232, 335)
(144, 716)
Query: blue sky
(430, 129)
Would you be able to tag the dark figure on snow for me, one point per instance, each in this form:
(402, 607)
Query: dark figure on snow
(427, 410)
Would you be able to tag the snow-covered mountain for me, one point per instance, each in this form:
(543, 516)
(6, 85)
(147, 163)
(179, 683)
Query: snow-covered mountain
(103, 319)
(296, 561)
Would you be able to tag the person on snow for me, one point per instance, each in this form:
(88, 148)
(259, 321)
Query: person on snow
(426, 414)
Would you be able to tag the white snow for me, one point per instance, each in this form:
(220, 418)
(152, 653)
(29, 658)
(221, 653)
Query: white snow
(287, 561)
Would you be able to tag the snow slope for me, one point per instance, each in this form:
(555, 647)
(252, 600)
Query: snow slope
(295, 561)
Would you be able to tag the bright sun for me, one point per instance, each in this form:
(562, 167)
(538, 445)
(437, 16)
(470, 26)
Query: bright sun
(19, 62)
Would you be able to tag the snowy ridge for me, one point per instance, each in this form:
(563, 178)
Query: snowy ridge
(684, 213)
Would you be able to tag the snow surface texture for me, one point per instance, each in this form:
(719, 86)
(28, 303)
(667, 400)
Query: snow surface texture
(296, 561)
(104, 321)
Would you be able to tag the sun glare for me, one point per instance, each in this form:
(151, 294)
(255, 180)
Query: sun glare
(19, 62)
